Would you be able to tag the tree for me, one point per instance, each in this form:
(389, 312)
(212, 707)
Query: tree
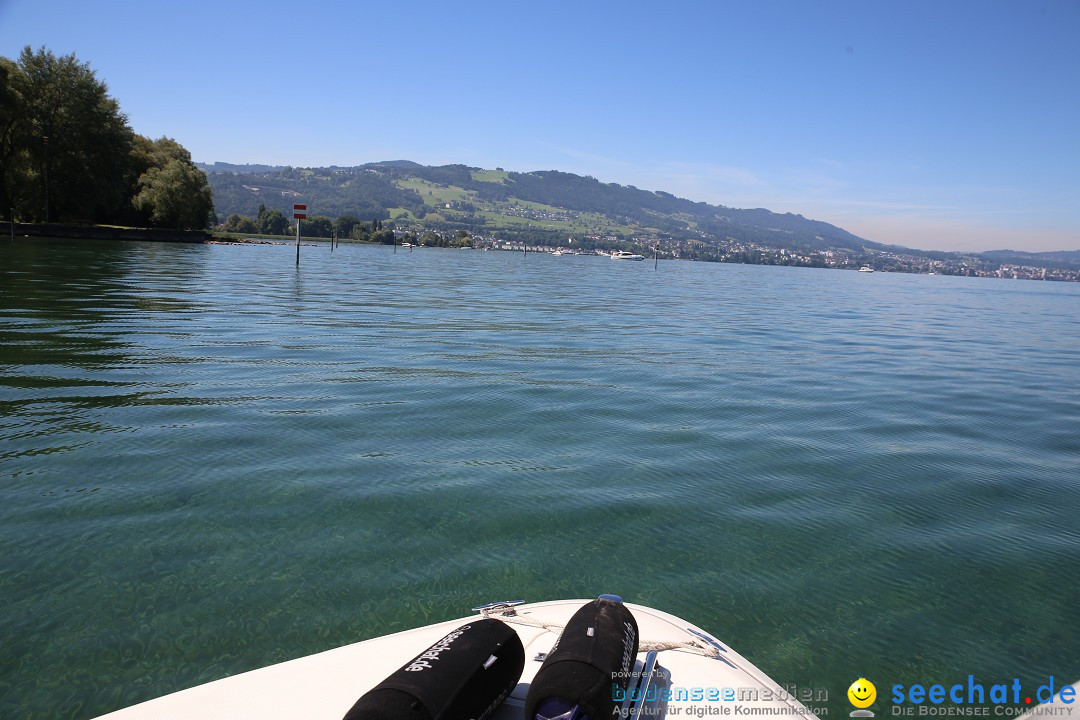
(173, 192)
(273, 223)
(316, 226)
(344, 225)
(433, 239)
(240, 224)
(77, 142)
(68, 154)
(14, 132)
(360, 231)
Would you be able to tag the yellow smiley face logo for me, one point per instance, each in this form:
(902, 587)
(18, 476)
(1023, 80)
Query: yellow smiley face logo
(862, 693)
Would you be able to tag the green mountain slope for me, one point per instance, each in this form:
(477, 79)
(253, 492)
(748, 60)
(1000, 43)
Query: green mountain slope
(543, 207)
(548, 207)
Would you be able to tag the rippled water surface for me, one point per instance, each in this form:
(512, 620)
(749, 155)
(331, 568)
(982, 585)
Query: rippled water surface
(211, 461)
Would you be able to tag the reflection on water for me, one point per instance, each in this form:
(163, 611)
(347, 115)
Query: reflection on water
(211, 460)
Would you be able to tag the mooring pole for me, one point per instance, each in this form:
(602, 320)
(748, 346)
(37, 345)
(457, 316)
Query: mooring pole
(299, 212)
(655, 254)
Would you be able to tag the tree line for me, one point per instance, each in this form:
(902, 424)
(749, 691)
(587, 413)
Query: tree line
(67, 153)
(273, 222)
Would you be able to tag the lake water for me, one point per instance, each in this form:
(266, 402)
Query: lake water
(211, 460)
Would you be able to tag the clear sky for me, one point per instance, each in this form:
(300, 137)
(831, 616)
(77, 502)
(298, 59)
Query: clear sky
(952, 125)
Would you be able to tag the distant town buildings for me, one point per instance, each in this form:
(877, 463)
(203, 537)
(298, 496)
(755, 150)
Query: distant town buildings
(733, 251)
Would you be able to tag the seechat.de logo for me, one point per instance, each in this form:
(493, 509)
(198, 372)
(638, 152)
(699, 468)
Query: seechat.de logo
(862, 695)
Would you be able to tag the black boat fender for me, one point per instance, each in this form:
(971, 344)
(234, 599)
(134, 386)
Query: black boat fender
(592, 659)
(465, 675)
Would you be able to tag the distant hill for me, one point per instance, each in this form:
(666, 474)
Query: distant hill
(1057, 259)
(221, 167)
(499, 208)
(531, 205)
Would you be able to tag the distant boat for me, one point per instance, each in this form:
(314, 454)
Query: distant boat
(557, 253)
(625, 255)
(866, 268)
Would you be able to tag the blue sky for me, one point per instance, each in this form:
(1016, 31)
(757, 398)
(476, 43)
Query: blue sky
(947, 125)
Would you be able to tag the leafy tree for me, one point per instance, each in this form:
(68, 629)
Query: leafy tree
(361, 232)
(273, 223)
(14, 136)
(173, 192)
(83, 164)
(240, 224)
(433, 239)
(317, 226)
(344, 225)
(68, 154)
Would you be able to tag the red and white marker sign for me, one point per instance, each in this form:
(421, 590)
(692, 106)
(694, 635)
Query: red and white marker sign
(299, 212)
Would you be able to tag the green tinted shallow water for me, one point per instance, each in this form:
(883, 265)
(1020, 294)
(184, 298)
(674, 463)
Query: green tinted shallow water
(211, 461)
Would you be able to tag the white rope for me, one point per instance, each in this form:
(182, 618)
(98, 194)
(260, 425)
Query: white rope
(646, 646)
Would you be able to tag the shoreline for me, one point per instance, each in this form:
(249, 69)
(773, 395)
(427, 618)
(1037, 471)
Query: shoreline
(206, 237)
(100, 232)
(64, 231)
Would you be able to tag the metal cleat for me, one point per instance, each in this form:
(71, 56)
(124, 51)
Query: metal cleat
(499, 607)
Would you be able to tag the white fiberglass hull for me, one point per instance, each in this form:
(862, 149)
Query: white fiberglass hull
(696, 670)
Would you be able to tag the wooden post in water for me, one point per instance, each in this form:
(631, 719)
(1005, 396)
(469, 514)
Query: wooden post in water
(655, 255)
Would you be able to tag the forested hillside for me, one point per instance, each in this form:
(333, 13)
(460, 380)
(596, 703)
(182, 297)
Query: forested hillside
(541, 207)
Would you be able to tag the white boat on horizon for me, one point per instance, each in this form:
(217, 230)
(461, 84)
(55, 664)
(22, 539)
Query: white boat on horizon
(866, 268)
(653, 665)
(626, 255)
